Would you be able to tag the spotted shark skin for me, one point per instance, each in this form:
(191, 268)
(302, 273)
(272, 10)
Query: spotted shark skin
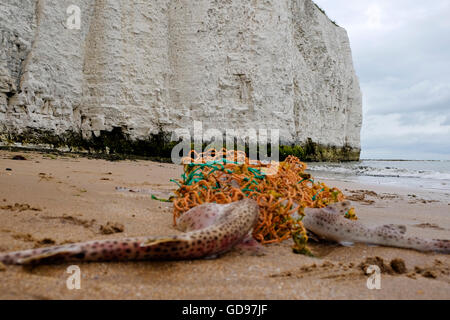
(210, 230)
(330, 223)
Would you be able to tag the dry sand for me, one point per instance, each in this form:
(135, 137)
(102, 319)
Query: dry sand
(48, 199)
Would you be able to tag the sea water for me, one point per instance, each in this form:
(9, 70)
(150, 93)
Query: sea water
(429, 175)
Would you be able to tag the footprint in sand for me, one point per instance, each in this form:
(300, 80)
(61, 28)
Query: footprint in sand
(108, 228)
(37, 243)
(428, 226)
(345, 271)
(19, 207)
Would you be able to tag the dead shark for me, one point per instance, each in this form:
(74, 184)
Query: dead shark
(330, 223)
(210, 230)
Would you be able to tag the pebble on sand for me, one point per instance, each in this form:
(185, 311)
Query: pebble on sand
(112, 228)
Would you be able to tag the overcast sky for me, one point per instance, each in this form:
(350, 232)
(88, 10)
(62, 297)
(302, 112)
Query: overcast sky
(401, 52)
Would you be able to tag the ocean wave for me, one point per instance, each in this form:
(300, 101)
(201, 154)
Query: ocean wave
(386, 172)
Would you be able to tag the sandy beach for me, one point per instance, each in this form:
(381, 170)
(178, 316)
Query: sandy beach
(56, 199)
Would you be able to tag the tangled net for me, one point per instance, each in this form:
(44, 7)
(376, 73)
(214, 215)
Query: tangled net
(281, 189)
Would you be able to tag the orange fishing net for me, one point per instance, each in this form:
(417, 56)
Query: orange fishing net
(280, 188)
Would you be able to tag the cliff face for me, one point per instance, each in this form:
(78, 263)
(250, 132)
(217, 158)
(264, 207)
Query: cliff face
(139, 67)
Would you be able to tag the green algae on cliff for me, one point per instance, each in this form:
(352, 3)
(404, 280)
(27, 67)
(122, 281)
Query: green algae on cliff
(117, 145)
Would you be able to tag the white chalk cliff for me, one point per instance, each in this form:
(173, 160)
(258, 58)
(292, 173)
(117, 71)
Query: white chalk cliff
(143, 66)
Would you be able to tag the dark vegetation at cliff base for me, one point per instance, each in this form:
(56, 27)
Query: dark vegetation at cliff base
(314, 152)
(115, 145)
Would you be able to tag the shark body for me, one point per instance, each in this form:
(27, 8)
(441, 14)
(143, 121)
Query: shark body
(330, 223)
(210, 230)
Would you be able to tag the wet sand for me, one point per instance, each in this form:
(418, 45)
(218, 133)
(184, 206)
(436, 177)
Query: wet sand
(52, 200)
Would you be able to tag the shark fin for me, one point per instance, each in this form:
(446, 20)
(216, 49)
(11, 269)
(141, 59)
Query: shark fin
(251, 246)
(168, 248)
(212, 257)
(346, 243)
(154, 242)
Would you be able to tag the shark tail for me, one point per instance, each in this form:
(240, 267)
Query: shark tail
(395, 235)
(441, 246)
(106, 250)
(42, 255)
(426, 245)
